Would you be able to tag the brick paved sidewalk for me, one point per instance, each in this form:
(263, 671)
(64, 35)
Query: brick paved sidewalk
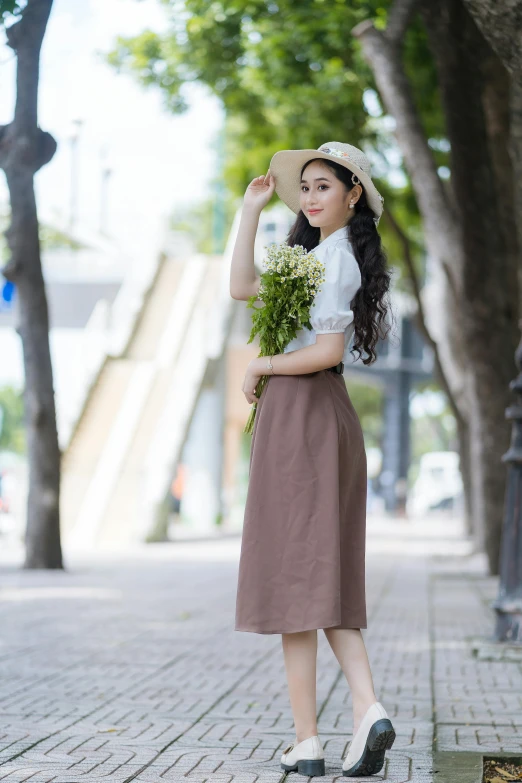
(126, 667)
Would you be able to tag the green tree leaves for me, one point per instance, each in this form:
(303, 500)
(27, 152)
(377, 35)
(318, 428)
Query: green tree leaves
(9, 8)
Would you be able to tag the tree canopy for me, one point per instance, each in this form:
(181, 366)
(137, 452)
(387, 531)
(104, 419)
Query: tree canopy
(289, 75)
(9, 8)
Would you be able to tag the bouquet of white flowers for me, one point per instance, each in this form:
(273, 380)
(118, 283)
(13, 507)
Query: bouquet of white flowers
(287, 288)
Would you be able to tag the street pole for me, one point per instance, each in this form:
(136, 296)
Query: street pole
(106, 172)
(219, 193)
(73, 205)
(508, 604)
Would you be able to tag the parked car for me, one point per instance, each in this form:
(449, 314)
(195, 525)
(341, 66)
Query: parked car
(438, 485)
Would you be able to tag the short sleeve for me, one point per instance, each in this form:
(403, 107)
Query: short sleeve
(330, 311)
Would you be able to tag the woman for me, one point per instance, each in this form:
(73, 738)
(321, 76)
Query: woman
(302, 564)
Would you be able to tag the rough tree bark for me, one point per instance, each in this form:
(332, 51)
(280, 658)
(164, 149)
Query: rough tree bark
(465, 234)
(501, 24)
(475, 95)
(24, 149)
(515, 149)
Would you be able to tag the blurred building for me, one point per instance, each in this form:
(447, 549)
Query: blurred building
(149, 352)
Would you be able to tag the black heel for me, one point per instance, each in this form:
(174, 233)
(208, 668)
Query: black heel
(380, 738)
(311, 767)
(308, 767)
(381, 735)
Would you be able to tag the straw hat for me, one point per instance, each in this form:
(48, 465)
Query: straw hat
(286, 167)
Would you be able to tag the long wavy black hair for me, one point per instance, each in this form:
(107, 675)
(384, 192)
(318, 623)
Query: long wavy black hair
(371, 304)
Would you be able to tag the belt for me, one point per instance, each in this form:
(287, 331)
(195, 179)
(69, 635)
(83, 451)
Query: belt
(339, 368)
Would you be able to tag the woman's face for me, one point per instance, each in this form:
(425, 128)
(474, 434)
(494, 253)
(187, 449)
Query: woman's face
(324, 199)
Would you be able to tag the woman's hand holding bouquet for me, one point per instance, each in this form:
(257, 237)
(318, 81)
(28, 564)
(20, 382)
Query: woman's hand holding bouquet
(288, 286)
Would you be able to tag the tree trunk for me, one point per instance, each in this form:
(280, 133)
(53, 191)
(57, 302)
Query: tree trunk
(24, 149)
(466, 238)
(516, 162)
(465, 472)
(439, 369)
(501, 24)
(475, 95)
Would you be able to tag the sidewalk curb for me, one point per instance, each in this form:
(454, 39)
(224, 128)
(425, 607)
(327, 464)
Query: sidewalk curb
(458, 766)
(488, 649)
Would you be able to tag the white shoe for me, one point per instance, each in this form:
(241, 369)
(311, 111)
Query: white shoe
(306, 757)
(373, 737)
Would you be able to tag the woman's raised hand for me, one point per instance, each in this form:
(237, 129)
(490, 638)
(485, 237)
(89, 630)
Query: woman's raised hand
(260, 191)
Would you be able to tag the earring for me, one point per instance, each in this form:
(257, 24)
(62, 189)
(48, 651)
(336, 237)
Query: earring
(352, 206)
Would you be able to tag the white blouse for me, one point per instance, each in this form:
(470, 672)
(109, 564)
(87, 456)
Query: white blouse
(330, 311)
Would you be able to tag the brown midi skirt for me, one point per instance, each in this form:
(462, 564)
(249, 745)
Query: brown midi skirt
(302, 563)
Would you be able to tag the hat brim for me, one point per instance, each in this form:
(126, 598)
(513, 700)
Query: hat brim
(286, 165)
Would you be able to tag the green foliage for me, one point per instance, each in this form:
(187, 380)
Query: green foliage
(290, 75)
(9, 9)
(158, 62)
(12, 435)
(291, 72)
(368, 401)
(287, 289)
(53, 239)
(197, 220)
(436, 429)
(4, 252)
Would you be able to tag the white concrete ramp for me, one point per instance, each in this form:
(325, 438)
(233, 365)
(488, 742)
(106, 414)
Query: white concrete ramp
(112, 479)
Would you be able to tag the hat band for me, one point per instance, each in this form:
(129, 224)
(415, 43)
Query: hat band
(339, 154)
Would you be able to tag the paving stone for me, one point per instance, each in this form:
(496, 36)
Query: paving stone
(128, 668)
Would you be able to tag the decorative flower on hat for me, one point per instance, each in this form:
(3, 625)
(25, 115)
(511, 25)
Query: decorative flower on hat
(333, 151)
(342, 154)
(361, 164)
